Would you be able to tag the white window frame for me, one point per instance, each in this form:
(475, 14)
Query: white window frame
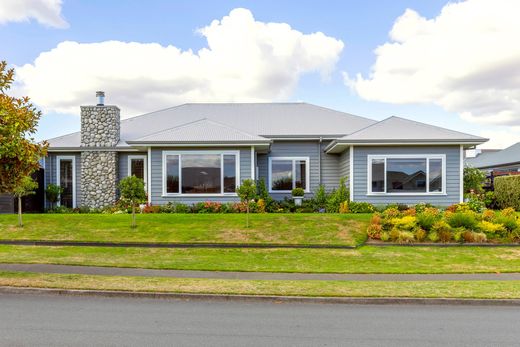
(180, 153)
(145, 167)
(384, 157)
(59, 158)
(294, 159)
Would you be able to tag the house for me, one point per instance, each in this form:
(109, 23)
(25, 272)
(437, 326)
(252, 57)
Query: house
(505, 160)
(202, 151)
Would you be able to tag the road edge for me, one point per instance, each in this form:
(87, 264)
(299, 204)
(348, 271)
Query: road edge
(262, 298)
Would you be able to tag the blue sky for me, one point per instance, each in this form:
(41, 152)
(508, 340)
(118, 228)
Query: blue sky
(362, 26)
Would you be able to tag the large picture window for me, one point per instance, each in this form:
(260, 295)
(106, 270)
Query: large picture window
(406, 174)
(200, 172)
(286, 173)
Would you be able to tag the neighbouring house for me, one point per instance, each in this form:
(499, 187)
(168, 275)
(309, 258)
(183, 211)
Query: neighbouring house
(502, 161)
(202, 151)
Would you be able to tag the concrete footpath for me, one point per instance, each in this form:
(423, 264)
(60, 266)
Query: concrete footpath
(114, 271)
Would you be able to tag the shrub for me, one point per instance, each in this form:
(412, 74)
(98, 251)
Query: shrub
(405, 237)
(319, 201)
(391, 212)
(394, 234)
(151, 209)
(480, 237)
(427, 218)
(338, 196)
(473, 180)
(361, 207)
(410, 212)
(419, 208)
(507, 220)
(433, 236)
(261, 205)
(405, 223)
(475, 203)
(488, 215)
(420, 234)
(507, 191)
(443, 231)
(343, 207)
(374, 231)
(462, 219)
(490, 200)
(298, 191)
(468, 236)
(52, 193)
(385, 236)
(491, 228)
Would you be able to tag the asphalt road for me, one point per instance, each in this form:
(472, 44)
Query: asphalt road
(41, 320)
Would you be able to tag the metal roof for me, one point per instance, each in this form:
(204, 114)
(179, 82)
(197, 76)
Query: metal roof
(261, 121)
(201, 131)
(507, 156)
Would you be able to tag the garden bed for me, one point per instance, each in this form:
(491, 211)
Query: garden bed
(458, 224)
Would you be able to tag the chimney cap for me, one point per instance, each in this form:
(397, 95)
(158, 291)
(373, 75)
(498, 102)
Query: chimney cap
(101, 98)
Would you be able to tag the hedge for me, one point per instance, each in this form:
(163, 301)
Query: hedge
(507, 191)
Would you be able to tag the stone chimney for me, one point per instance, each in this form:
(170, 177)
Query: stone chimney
(100, 129)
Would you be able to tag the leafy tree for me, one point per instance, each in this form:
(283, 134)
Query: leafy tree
(19, 153)
(52, 193)
(473, 180)
(262, 193)
(132, 188)
(320, 198)
(26, 187)
(247, 192)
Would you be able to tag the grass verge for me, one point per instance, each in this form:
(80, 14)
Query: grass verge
(367, 259)
(423, 289)
(338, 229)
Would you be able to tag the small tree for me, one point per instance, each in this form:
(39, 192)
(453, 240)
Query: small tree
(473, 180)
(247, 192)
(26, 187)
(132, 188)
(52, 193)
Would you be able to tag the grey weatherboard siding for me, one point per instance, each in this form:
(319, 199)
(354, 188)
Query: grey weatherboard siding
(452, 175)
(50, 173)
(330, 163)
(157, 184)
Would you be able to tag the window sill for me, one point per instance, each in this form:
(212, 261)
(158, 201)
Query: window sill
(407, 194)
(198, 195)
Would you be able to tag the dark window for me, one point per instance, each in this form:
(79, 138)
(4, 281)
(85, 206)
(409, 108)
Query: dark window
(378, 175)
(281, 175)
(435, 175)
(229, 173)
(172, 174)
(66, 182)
(137, 168)
(201, 174)
(300, 174)
(405, 175)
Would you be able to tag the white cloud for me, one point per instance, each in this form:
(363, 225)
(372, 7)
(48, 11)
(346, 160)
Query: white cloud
(466, 60)
(245, 60)
(501, 138)
(46, 12)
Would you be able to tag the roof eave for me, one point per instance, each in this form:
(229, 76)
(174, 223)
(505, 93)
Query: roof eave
(386, 142)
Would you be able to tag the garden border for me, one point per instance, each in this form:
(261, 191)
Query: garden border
(430, 244)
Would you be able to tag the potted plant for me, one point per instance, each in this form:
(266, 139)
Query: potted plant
(297, 195)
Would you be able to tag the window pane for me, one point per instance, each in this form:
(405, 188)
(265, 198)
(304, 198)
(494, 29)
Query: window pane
(406, 175)
(137, 168)
(229, 173)
(281, 175)
(435, 175)
(378, 175)
(201, 174)
(172, 174)
(300, 167)
(66, 182)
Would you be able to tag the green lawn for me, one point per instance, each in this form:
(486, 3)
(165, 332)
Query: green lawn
(332, 229)
(367, 259)
(423, 289)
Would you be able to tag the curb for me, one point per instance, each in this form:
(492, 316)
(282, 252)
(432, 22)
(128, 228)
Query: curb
(168, 244)
(262, 298)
